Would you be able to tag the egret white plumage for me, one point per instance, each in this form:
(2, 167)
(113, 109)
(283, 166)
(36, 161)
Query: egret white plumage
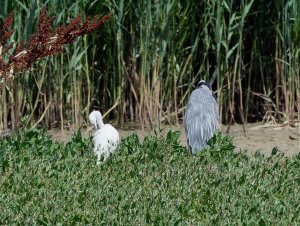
(105, 138)
(201, 120)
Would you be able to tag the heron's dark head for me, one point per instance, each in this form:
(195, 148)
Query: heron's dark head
(204, 84)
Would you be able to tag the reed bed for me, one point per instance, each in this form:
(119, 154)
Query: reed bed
(142, 64)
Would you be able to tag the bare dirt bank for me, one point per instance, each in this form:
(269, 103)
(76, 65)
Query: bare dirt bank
(258, 137)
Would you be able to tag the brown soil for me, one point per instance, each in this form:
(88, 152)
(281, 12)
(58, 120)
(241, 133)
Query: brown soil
(258, 137)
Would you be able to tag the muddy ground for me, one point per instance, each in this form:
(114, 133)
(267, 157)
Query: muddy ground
(258, 136)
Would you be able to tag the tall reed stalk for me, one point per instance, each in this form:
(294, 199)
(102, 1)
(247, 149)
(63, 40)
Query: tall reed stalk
(142, 65)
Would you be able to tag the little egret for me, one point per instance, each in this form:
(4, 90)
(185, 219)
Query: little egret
(105, 138)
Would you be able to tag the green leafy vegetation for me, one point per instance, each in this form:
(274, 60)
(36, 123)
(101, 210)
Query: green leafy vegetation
(154, 181)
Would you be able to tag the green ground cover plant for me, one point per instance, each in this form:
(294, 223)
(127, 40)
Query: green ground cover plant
(155, 181)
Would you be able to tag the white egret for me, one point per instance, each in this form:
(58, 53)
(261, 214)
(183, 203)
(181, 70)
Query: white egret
(105, 138)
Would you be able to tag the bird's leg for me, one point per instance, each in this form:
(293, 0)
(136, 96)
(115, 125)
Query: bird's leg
(106, 155)
(98, 158)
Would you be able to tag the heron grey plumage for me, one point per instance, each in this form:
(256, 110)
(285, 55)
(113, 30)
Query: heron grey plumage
(201, 120)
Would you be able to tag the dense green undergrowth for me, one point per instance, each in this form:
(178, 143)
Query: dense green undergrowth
(155, 182)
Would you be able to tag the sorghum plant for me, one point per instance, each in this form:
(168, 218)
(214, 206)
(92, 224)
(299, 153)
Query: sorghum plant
(44, 42)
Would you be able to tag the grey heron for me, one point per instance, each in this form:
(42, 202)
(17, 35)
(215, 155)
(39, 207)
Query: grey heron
(201, 120)
(105, 138)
